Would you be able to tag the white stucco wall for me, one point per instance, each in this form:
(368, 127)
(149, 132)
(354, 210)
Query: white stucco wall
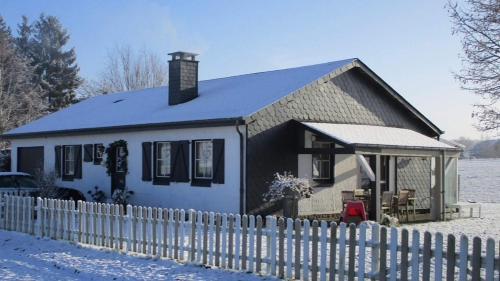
(327, 199)
(219, 197)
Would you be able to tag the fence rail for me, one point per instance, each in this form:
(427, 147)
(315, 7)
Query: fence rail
(285, 248)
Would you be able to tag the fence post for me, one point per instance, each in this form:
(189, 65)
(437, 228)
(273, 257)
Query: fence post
(415, 255)
(426, 261)
(362, 251)
(394, 254)
(298, 239)
(258, 254)
(130, 228)
(166, 230)
(352, 251)
(476, 259)
(342, 248)
(289, 244)
(450, 258)
(251, 247)
(237, 232)
(464, 252)
(244, 245)
(230, 253)
(305, 262)
(314, 260)
(490, 259)
(192, 215)
(438, 257)
(182, 233)
(224, 241)
(382, 274)
(272, 245)
(375, 251)
(39, 217)
(211, 225)
(217, 239)
(281, 253)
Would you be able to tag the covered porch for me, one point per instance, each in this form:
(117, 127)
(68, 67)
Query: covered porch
(374, 162)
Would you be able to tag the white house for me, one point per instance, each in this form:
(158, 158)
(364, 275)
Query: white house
(215, 144)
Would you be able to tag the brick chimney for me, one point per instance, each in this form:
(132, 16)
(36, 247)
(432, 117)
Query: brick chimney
(183, 77)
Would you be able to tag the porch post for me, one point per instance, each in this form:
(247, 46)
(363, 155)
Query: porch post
(377, 187)
(436, 194)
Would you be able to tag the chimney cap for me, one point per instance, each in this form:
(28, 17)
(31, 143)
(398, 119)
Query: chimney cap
(180, 55)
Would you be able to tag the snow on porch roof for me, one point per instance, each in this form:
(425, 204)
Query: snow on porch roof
(377, 136)
(222, 98)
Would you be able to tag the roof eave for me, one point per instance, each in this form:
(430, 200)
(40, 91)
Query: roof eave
(135, 127)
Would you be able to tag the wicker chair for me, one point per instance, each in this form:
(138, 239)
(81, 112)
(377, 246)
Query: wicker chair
(387, 202)
(412, 201)
(402, 203)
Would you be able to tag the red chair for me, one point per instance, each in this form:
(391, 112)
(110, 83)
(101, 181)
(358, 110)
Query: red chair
(354, 212)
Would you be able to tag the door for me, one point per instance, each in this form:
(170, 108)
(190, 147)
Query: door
(119, 159)
(30, 159)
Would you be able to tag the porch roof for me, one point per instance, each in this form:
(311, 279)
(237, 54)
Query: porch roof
(368, 136)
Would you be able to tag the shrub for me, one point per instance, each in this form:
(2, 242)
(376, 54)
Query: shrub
(121, 196)
(283, 184)
(46, 184)
(97, 195)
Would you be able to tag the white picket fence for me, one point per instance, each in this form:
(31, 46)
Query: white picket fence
(270, 246)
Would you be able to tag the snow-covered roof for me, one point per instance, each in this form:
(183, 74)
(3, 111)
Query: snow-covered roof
(223, 98)
(377, 136)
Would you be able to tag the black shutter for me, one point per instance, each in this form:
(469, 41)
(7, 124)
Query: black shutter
(146, 161)
(218, 161)
(57, 163)
(180, 161)
(87, 152)
(78, 161)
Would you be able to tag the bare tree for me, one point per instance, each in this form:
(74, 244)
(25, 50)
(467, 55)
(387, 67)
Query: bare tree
(478, 24)
(127, 70)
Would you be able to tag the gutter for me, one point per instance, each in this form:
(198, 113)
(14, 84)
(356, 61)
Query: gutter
(122, 128)
(242, 168)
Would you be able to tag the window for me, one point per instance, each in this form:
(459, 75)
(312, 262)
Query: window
(321, 161)
(98, 153)
(163, 159)
(203, 159)
(120, 159)
(69, 160)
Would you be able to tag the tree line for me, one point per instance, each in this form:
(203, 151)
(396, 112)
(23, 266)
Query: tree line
(39, 73)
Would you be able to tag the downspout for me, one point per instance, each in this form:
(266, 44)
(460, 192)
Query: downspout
(443, 182)
(242, 170)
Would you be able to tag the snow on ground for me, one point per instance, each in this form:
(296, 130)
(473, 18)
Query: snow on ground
(480, 182)
(24, 257)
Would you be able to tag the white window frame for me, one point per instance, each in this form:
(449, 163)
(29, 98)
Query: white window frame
(158, 159)
(69, 157)
(321, 162)
(99, 151)
(117, 156)
(198, 160)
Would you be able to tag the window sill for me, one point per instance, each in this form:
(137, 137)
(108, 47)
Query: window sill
(201, 182)
(161, 181)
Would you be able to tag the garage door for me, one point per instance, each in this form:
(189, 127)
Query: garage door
(30, 159)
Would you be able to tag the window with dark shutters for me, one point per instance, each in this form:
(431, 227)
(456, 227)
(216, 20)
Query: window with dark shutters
(180, 161)
(146, 161)
(78, 161)
(158, 180)
(57, 162)
(71, 162)
(98, 153)
(218, 161)
(88, 153)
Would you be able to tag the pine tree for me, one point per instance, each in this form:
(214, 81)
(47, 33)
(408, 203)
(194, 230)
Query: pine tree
(24, 35)
(20, 98)
(55, 67)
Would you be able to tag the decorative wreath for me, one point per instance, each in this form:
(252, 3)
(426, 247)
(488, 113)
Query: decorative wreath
(111, 151)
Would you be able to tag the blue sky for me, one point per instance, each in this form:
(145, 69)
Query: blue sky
(408, 43)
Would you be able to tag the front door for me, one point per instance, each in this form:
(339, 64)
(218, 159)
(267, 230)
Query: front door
(119, 158)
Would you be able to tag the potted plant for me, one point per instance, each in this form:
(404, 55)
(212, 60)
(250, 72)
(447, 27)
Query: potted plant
(288, 189)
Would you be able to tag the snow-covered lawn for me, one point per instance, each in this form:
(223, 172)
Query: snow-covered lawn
(24, 257)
